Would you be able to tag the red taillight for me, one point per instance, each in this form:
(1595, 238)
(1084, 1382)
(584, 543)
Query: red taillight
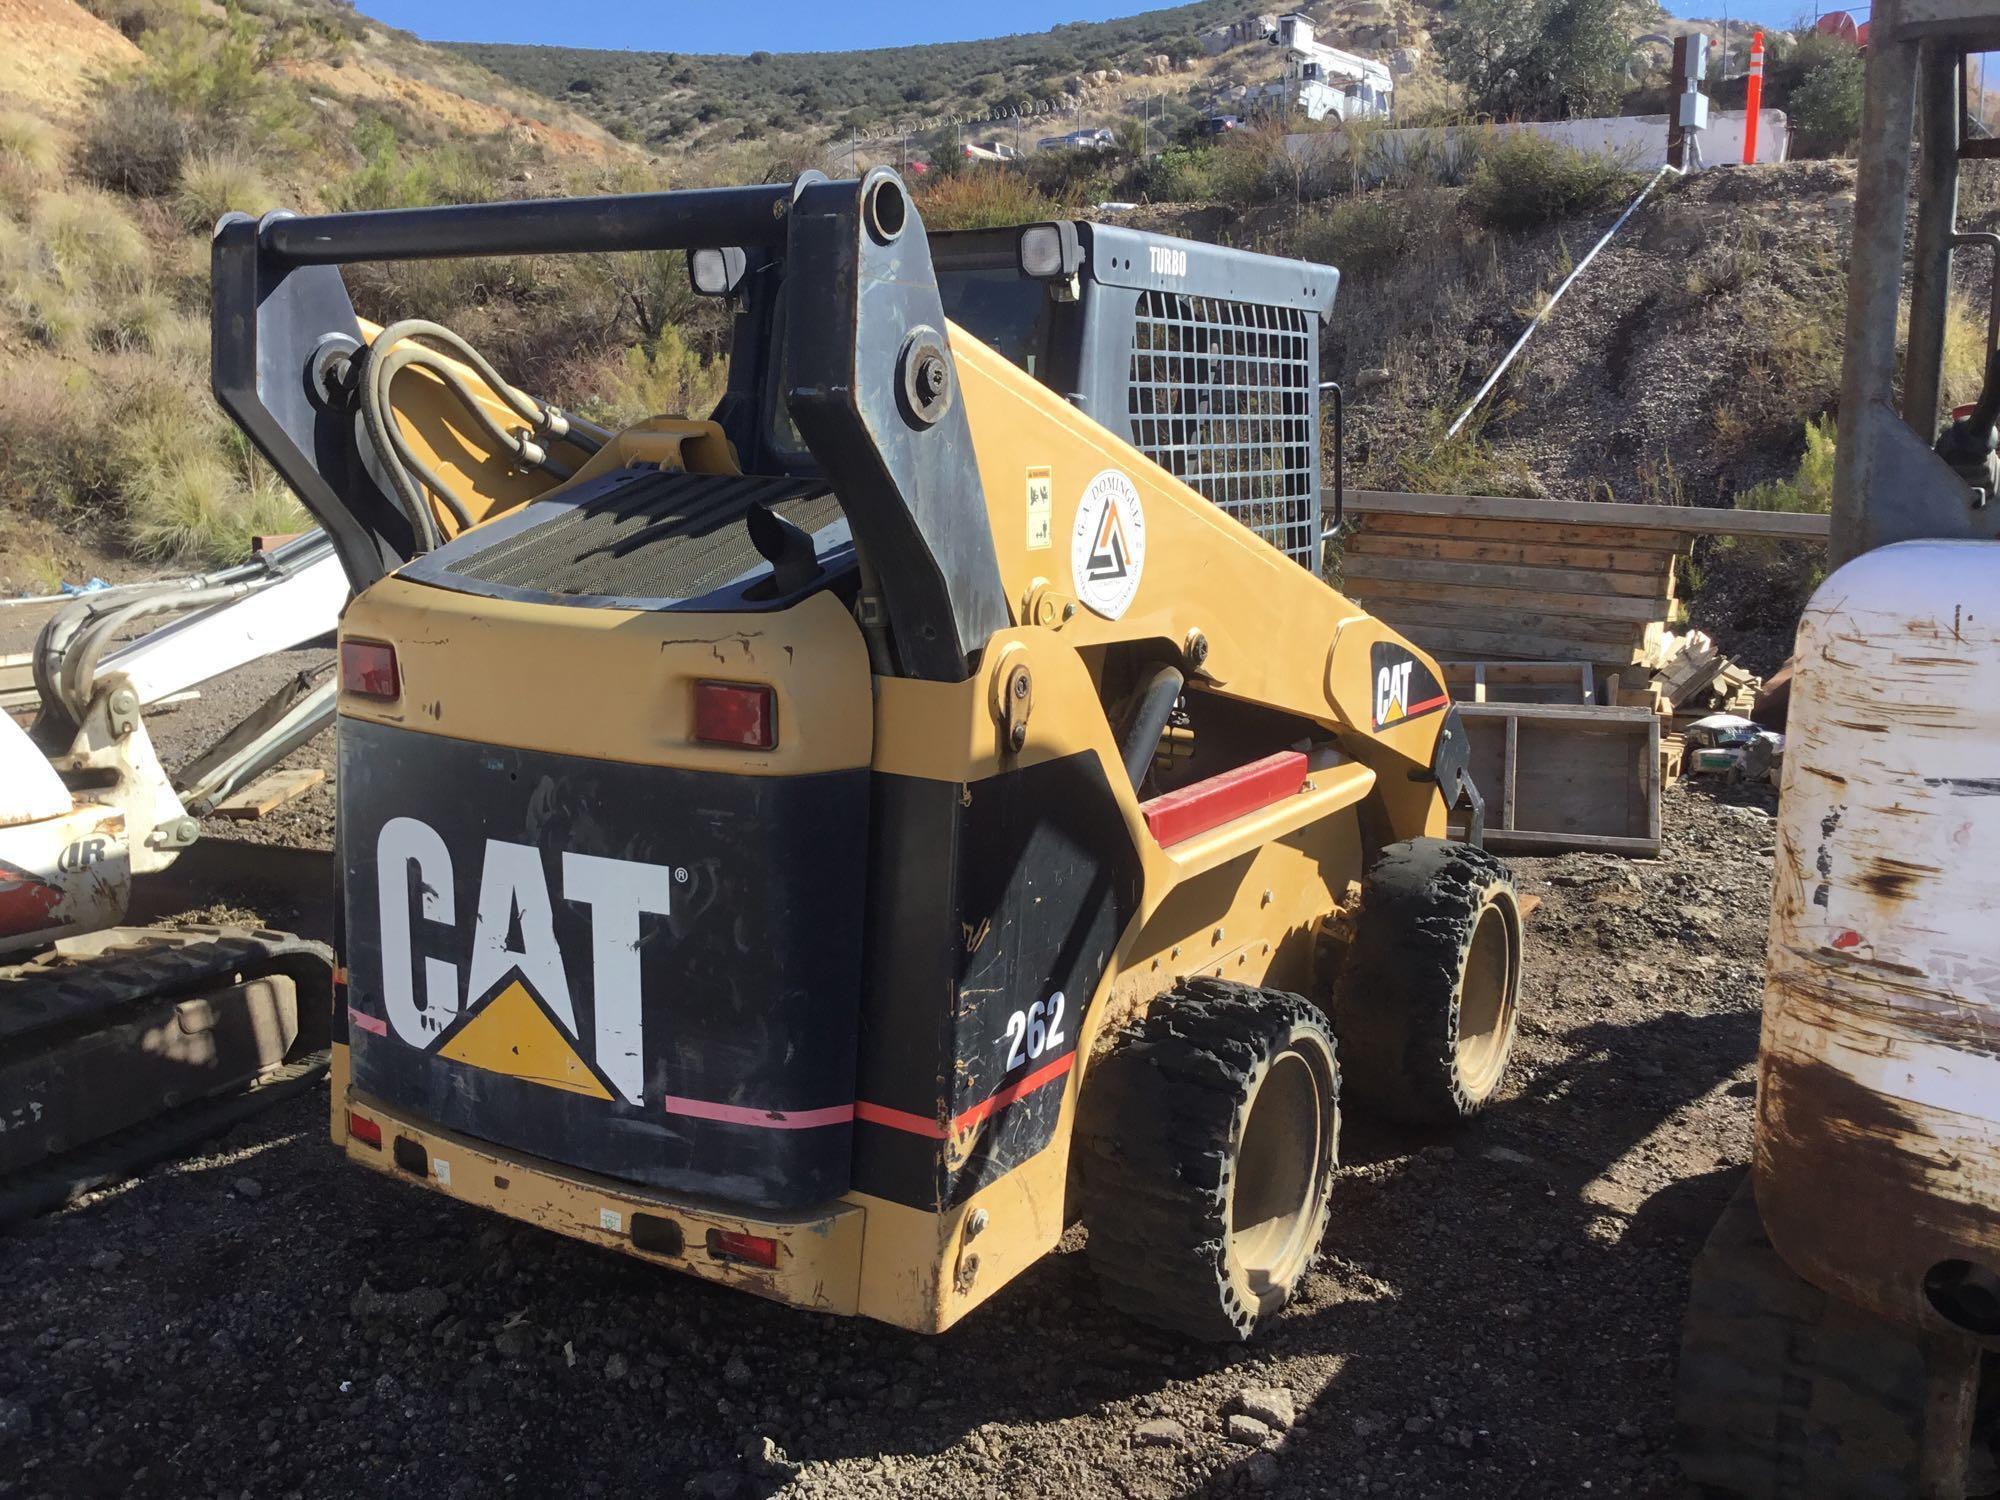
(364, 1130)
(750, 1249)
(742, 715)
(369, 669)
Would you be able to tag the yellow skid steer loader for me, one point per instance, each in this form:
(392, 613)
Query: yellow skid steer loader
(831, 846)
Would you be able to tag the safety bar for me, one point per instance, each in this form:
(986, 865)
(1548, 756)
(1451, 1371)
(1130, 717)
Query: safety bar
(691, 219)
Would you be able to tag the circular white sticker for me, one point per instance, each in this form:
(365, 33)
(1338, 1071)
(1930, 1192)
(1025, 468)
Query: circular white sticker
(1107, 548)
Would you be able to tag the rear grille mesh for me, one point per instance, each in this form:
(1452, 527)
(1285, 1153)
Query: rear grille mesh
(660, 536)
(1222, 397)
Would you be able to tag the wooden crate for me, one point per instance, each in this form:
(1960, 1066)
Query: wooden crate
(1520, 681)
(1566, 776)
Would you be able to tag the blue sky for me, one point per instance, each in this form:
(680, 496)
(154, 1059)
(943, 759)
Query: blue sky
(810, 25)
(774, 25)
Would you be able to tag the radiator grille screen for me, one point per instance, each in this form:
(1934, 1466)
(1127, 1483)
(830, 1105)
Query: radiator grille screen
(1222, 397)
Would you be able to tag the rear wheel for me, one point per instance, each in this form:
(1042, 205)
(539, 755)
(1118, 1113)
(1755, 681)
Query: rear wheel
(1427, 1006)
(1206, 1148)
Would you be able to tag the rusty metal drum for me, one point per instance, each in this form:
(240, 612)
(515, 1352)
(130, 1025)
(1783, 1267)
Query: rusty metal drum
(1878, 1103)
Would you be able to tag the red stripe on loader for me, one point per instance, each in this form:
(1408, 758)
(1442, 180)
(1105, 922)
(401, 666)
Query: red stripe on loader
(897, 1119)
(1180, 815)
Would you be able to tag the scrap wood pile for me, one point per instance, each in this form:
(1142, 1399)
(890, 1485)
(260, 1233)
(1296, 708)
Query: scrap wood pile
(1690, 678)
(1562, 635)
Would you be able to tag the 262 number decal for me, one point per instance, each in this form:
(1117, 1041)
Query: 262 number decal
(1033, 1031)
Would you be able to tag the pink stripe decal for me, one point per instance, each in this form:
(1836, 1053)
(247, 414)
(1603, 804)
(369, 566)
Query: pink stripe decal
(368, 1023)
(764, 1119)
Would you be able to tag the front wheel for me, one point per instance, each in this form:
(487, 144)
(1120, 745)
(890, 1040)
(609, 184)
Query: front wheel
(1429, 1001)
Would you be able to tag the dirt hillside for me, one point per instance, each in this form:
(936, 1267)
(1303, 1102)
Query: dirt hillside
(50, 50)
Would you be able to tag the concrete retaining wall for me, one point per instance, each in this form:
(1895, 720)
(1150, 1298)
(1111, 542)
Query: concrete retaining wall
(1638, 140)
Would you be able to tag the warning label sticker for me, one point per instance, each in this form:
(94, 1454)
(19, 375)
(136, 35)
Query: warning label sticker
(1041, 509)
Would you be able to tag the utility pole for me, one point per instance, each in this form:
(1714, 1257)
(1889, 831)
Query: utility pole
(1689, 107)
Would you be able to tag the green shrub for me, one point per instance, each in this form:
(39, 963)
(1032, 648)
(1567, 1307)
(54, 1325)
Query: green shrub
(670, 380)
(1826, 107)
(215, 182)
(135, 18)
(1784, 573)
(1070, 177)
(422, 175)
(1251, 166)
(1372, 233)
(1537, 59)
(1247, 166)
(213, 73)
(1524, 181)
(1179, 174)
(1810, 488)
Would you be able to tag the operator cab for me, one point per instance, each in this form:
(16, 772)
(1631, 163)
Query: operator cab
(1203, 357)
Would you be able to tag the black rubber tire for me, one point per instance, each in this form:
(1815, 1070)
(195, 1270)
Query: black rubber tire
(1165, 1119)
(1399, 1004)
(1785, 1393)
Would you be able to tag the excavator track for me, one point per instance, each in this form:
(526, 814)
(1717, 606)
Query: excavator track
(137, 1043)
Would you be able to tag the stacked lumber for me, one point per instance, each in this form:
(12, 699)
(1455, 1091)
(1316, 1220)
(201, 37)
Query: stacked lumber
(1491, 578)
(1482, 590)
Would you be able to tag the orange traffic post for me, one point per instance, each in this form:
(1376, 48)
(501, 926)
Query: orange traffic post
(1753, 98)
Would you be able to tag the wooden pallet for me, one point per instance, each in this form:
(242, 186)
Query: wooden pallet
(1559, 777)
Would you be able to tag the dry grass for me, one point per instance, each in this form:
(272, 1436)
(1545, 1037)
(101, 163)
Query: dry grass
(1434, 463)
(131, 446)
(75, 271)
(28, 146)
(85, 238)
(205, 505)
(1375, 232)
(216, 182)
(983, 198)
(1795, 369)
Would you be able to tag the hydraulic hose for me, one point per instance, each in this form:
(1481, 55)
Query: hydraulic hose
(395, 349)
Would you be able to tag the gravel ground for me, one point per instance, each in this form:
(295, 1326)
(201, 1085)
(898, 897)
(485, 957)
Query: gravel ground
(1495, 1311)
(307, 821)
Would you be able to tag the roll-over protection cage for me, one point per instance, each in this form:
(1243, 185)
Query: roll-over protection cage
(1205, 359)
